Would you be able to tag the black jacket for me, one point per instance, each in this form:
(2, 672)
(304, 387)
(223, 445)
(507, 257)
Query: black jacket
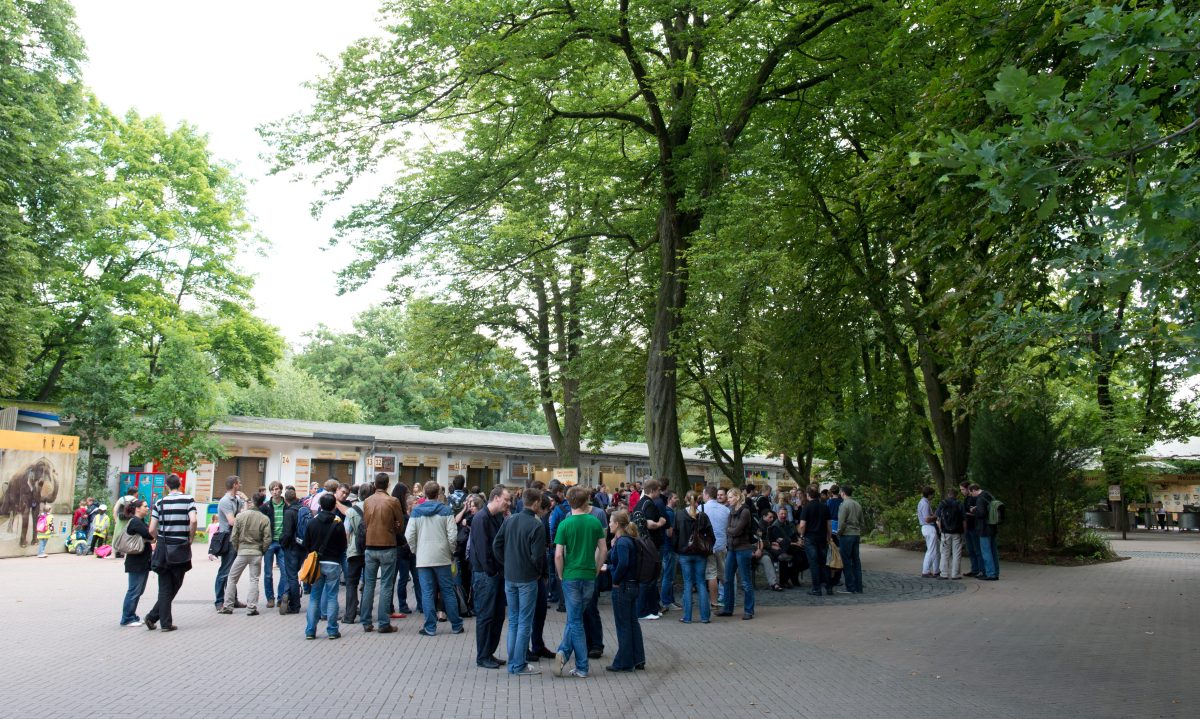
(484, 527)
(135, 563)
(520, 546)
(685, 526)
(287, 540)
(326, 535)
(268, 510)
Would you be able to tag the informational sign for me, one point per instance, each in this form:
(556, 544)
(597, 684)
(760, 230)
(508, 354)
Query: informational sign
(1114, 493)
(567, 475)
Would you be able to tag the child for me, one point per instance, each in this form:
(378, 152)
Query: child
(45, 530)
(100, 526)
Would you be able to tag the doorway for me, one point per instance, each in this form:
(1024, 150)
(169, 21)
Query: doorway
(251, 470)
(325, 469)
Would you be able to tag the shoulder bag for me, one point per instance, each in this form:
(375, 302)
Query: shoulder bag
(310, 571)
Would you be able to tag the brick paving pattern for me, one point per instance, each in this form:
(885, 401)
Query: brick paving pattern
(1111, 640)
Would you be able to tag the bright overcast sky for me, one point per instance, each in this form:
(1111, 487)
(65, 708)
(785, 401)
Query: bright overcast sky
(227, 67)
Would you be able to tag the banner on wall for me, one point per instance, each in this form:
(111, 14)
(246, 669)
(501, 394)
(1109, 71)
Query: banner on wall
(37, 471)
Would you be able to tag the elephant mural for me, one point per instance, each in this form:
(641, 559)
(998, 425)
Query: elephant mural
(26, 491)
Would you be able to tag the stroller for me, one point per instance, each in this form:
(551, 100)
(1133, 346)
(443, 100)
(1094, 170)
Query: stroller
(77, 542)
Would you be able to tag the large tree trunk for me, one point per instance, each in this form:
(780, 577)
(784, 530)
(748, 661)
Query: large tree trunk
(662, 419)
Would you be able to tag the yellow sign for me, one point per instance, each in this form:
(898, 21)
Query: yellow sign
(258, 452)
(477, 463)
(430, 460)
(409, 460)
(37, 442)
(496, 464)
(567, 475)
(326, 454)
(350, 455)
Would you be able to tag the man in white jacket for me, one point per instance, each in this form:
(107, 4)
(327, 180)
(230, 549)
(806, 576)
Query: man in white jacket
(431, 534)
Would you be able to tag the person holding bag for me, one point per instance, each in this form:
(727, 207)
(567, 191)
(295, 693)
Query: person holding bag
(693, 537)
(172, 526)
(137, 559)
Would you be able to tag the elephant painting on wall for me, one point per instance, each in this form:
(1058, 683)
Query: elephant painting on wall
(37, 472)
(27, 491)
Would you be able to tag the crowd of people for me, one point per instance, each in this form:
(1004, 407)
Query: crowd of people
(973, 521)
(506, 559)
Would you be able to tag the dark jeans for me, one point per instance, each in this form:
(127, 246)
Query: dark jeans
(170, 581)
(293, 558)
(406, 568)
(137, 585)
(973, 551)
(648, 599)
(353, 578)
(852, 569)
(815, 549)
(593, 630)
(630, 650)
(223, 577)
(488, 594)
(666, 594)
(554, 591)
(536, 643)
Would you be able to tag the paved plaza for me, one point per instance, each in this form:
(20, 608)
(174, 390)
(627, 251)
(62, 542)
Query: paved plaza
(1111, 640)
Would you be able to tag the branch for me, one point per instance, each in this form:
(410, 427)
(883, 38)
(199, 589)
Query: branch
(1160, 141)
(638, 122)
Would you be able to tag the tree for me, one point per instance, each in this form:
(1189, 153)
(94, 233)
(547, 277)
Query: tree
(40, 52)
(291, 393)
(674, 89)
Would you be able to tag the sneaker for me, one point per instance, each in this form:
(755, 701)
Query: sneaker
(224, 610)
(460, 630)
(423, 633)
(561, 659)
(270, 604)
(150, 624)
(282, 609)
(527, 671)
(676, 605)
(398, 615)
(168, 628)
(576, 674)
(488, 663)
(310, 636)
(135, 623)
(651, 617)
(252, 613)
(335, 635)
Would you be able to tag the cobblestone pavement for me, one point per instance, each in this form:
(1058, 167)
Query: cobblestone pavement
(1112, 640)
(878, 588)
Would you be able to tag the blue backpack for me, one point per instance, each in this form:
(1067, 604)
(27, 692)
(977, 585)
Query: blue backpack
(303, 515)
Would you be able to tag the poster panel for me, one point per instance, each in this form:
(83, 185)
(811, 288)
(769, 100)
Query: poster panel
(36, 471)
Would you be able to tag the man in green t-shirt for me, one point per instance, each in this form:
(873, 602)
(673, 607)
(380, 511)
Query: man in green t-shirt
(274, 555)
(579, 553)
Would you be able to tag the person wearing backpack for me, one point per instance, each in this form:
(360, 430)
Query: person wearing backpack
(622, 560)
(742, 544)
(356, 536)
(987, 534)
(327, 537)
(45, 531)
(952, 523)
(579, 552)
(693, 539)
(100, 526)
(517, 556)
(293, 551)
(651, 523)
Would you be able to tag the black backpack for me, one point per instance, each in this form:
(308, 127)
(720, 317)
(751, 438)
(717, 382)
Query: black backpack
(951, 515)
(638, 517)
(649, 561)
(360, 532)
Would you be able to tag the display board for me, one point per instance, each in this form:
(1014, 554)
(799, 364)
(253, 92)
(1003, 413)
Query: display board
(37, 471)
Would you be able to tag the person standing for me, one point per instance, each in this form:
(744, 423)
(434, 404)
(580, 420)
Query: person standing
(667, 501)
(137, 566)
(121, 514)
(834, 503)
(578, 554)
(928, 522)
(718, 516)
(45, 530)
(622, 561)
(690, 521)
(384, 519)
(649, 508)
(354, 554)
(850, 529)
(520, 549)
(327, 537)
(987, 534)
(431, 533)
(250, 539)
(172, 526)
(273, 509)
(742, 543)
(487, 579)
(293, 552)
(593, 628)
(951, 523)
(227, 510)
(972, 533)
(537, 643)
(814, 528)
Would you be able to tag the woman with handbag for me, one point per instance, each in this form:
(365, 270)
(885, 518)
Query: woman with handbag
(137, 563)
(694, 539)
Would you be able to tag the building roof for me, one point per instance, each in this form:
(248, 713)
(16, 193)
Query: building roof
(448, 437)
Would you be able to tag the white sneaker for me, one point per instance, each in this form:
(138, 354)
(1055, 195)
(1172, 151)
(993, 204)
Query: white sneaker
(138, 623)
(651, 617)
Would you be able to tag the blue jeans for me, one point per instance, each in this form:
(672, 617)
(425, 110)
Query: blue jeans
(42, 546)
(851, 563)
(223, 576)
(404, 570)
(292, 559)
(324, 599)
(991, 563)
(378, 564)
(439, 575)
(578, 594)
(666, 593)
(973, 551)
(693, 578)
(815, 549)
(137, 585)
(274, 554)
(593, 630)
(739, 561)
(630, 650)
(521, 598)
(489, 613)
